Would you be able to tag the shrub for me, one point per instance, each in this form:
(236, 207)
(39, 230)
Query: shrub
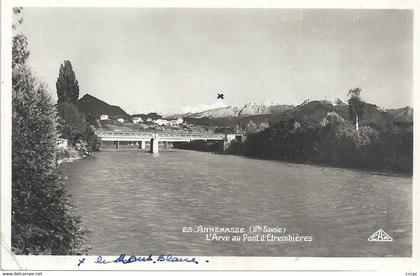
(333, 141)
(42, 218)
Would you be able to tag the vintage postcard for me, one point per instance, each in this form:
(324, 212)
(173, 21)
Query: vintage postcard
(243, 135)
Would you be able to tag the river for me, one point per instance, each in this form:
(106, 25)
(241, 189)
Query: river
(138, 203)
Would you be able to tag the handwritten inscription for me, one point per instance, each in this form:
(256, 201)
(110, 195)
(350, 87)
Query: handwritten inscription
(128, 259)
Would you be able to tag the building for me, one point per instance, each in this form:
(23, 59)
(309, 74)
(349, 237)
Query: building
(121, 120)
(176, 122)
(104, 117)
(137, 120)
(162, 122)
(237, 137)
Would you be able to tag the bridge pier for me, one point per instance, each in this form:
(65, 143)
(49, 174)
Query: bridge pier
(142, 145)
(154, 145)
(117, 144)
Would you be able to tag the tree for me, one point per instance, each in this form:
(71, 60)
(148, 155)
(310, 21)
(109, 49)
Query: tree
(42, 220)
(67, 85)
(71, 123)
(251, 127)
(356, 109)
(332, 120)
(20, 51)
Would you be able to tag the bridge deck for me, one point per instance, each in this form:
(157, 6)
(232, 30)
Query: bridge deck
(162, 136)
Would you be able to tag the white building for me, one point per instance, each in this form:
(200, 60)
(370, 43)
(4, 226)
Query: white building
(176, 122)
(103, 117)
(121, 120)
(162, 122)
(137, 120)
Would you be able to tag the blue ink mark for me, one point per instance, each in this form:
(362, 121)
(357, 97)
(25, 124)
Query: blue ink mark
(220, 96)
(122, 259)
(174, 259)
(81, 261)
(100, 261)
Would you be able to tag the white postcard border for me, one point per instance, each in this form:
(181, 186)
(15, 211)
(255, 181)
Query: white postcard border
(11, 262)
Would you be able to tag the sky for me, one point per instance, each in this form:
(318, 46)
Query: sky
(172, 60)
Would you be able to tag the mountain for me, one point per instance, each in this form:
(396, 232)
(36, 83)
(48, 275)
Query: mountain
(221, 112)
(260, 109)
(89, 104)
(313, 111)
(404, 114)
(249, 109)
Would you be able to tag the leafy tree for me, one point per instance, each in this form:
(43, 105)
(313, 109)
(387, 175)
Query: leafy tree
(93, 141)
(42, 220)
(72, 124)
(332, 120)
(67, 84)
(20, 52)
(17, 17)
(251, 127)
(356, 109)
(332, 141)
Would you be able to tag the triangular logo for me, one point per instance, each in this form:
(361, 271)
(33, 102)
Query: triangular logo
(380, 235)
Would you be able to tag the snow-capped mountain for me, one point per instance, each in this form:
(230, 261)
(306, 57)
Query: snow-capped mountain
(248, 109)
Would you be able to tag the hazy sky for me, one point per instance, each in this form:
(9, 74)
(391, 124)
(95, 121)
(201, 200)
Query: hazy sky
(172, 60)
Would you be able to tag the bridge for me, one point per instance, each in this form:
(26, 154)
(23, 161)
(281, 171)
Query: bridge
(164, 136)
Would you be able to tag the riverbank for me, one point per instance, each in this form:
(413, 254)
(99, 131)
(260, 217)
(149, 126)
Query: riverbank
(332, 142)
(203, 147)
(69, 153)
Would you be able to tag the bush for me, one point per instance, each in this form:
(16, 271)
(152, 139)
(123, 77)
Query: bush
(236, 148)
(93, 143)
(333, 141)
(42, 218)
(200, 145)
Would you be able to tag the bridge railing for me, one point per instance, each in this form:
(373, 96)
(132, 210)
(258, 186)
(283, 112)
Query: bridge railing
(162, 134)
(123, 133)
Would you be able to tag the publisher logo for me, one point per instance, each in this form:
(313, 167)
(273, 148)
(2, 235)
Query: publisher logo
(380, 235)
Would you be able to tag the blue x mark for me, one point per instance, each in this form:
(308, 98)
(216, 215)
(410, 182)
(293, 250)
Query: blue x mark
(220, 96)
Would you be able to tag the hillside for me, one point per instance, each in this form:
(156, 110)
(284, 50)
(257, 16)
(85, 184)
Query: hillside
(404, 114)
(151, 115)
(313, 112)
(89, 104)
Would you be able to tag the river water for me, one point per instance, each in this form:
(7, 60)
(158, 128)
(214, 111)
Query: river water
(138, 203)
